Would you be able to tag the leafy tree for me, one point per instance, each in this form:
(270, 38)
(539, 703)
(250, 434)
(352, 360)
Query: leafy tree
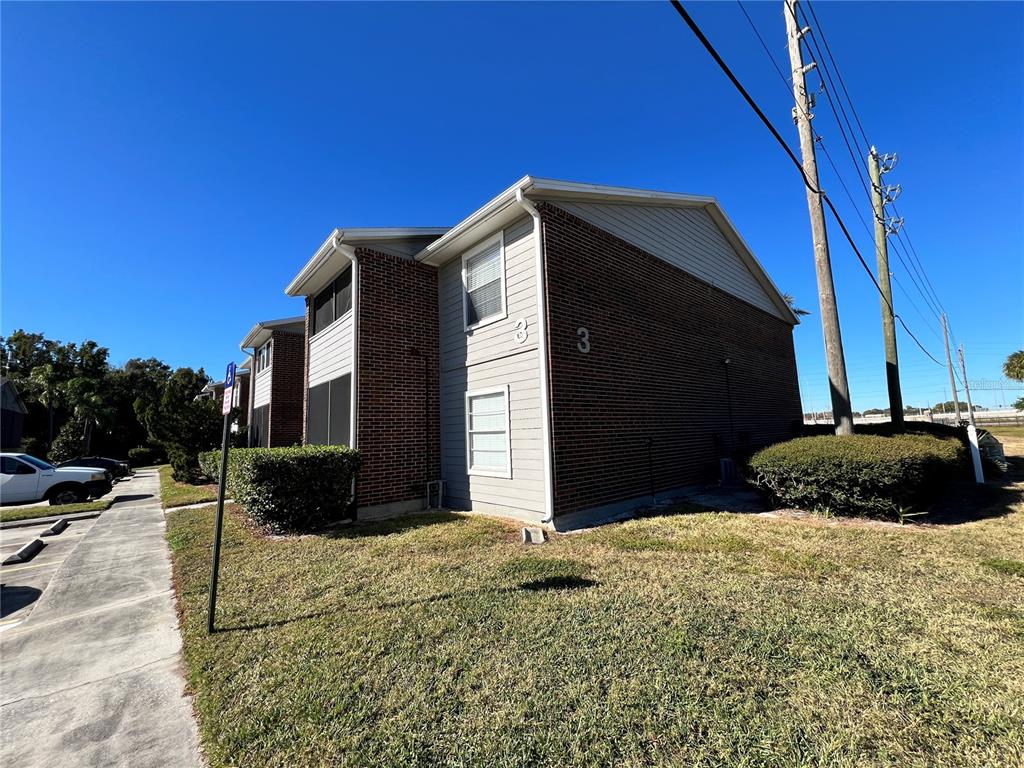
(950, 407)
(69, 443)
(61, 382)
(128, 391)
(1014, 366)
(183, 424)
(85, 399)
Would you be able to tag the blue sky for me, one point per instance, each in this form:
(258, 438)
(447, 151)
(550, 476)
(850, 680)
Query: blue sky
(166, 169)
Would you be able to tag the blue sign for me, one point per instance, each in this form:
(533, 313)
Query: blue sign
(229, 377)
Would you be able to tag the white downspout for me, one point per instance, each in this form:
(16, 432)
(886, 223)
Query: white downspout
(353, 436)
(542, 353)
(354, 390)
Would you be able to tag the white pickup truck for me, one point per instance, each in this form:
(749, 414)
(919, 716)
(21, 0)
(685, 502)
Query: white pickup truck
(25, 478)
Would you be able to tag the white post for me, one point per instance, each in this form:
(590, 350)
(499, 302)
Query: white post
(972, 436)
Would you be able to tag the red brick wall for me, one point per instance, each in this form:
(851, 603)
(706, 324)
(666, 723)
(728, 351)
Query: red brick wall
(649, 405)
(287, 389)
(398, 405)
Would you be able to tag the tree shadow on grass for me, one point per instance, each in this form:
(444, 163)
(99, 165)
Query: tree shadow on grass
(550, 584)
(967, 501)
(361, 530)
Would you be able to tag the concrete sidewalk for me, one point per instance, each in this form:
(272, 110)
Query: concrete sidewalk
(94, 676)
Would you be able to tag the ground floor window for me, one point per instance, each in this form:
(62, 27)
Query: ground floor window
(259, 427)
(329, 412)
(488, 450)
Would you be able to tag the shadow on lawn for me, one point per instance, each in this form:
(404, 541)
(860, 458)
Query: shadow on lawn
(967, 501)
(551, 584)
(395, 525)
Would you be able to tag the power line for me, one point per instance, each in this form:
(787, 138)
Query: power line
(782, 143)
(839, 75)
(903, 232)
(915, 266)
(828, 87)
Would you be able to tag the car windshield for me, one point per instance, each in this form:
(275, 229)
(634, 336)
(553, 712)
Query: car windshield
(35, 462)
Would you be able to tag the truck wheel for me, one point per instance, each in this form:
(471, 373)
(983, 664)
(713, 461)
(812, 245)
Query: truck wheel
(68, 494)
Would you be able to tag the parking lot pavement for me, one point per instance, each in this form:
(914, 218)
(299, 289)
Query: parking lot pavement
(24, 583)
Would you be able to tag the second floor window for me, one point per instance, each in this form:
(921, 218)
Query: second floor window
(333, 301)
(483, 277)
(263, 357)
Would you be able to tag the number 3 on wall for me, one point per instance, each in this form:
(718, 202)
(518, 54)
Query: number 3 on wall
(584, 343)
(521, 334)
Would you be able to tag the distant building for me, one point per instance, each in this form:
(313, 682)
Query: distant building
(239, 395)
(277, 349)
(12, 416)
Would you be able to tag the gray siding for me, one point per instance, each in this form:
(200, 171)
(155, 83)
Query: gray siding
(261, 386)
(330, 351)
(685, 237)
(489, 357)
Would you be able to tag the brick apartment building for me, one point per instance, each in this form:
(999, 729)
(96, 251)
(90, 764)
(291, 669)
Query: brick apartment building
(277, 372)
(566, 352)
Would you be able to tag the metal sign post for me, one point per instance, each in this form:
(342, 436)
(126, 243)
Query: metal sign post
(229, 383)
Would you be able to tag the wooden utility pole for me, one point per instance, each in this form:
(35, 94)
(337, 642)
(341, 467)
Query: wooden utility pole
(967, 387)
(892, 361)
(839, 387)
(949, 365)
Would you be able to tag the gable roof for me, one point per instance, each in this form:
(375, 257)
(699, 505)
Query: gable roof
(336, 252)
(261, 332)
(10, 398)
(503, 210)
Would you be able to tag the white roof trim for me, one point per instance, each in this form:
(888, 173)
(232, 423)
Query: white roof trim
(502, 209)
(337, 251)
(261, 332)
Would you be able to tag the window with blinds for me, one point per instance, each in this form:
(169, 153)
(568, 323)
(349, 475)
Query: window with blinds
(487, 433)
(483, 275)
(333, 301)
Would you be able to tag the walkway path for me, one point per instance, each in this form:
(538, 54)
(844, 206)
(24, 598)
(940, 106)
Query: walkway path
(94, 676)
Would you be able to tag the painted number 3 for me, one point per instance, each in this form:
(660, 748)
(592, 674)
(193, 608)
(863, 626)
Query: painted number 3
(584, 343)
(521, 334)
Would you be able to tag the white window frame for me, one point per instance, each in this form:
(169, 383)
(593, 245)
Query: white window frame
(507, 471)
(263, 356)
(474, 251)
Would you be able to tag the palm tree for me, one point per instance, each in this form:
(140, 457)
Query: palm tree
(792, 302)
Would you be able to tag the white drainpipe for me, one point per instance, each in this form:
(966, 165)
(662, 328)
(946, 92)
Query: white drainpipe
(354, 390)
(542, 352)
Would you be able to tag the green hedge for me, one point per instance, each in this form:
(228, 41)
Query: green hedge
(146, 456)
(289, 489)
(866, 475)
(209, 463)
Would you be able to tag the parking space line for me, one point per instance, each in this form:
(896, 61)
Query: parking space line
(11, 569)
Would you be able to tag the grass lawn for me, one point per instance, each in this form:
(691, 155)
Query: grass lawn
(175, 494)
(1007, 430)
(7, 514)
(699, 639)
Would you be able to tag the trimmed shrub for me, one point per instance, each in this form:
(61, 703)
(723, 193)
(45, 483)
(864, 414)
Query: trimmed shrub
(69, 442)
(293, 489)
(209, 464)
(184, 466)
(146, 456)
(865, 475)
